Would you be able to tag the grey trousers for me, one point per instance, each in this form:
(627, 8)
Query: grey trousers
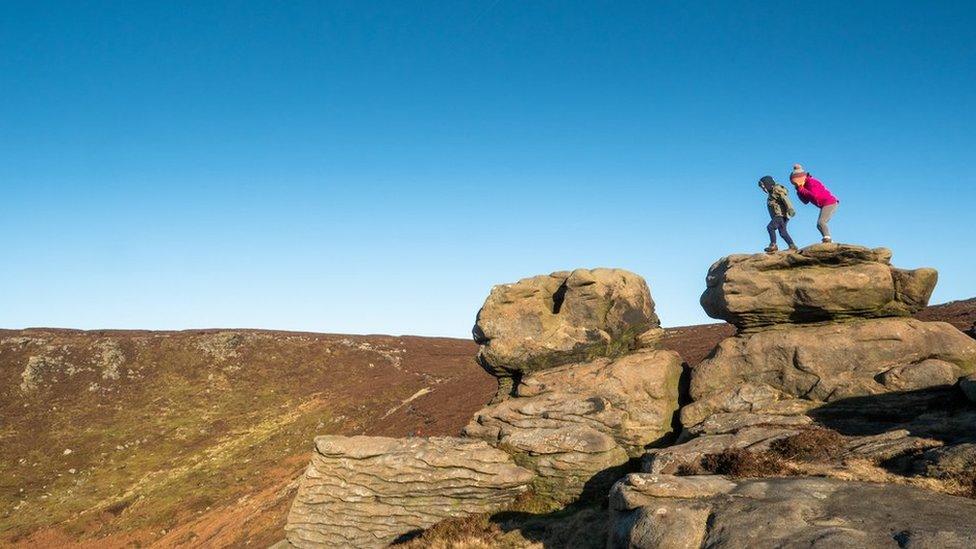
(825, 214)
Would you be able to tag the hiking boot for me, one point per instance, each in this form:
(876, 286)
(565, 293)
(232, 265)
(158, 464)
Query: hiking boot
(793, 248)
(771, 248)
(827, 240)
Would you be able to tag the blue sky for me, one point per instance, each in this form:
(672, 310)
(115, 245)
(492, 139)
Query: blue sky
(375, 167)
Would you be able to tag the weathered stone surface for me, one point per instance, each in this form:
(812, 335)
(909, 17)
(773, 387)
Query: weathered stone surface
(826, 363)
(747, 397)
(637, 489)
(732, 422)
(785, 512)
(887, 445)
(632, 399)
(576, 463)
(550, 320)
(680, 525)
(638, 522)
(887, 383)
(820, 283)
(368, 491)
(952, 461)
(607, 411)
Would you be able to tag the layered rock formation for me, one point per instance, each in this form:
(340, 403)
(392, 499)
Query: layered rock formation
(823, 341)
(577, 423)
(826, 363)
(565, 317)
(583, 392)
(578, 398)
(369, 491)
(661, 511)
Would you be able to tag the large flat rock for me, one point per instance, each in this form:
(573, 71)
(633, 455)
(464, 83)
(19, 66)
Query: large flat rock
(368, 491)
(550, 320)
(820, 283)
(572, 423)
(661, 511)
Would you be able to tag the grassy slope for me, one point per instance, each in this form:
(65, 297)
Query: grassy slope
(130, 438)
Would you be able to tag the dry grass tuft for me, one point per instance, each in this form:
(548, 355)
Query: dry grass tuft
(743, 464)
(529, 522)
(737, 463)
(471, 532)
(810, 445)
(785, 457)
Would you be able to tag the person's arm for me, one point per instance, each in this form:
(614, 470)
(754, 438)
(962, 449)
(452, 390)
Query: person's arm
(802, 194)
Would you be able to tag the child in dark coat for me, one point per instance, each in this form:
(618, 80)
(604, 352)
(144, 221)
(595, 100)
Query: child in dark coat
(780, 210)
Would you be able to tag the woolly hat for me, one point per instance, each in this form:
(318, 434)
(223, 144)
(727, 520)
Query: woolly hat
(797, 170)
(767, 182)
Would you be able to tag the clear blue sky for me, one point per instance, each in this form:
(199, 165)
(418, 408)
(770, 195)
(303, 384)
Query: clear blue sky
(375, 167)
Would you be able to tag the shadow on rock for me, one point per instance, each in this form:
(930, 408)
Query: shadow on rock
(941, 413)
(581, 524)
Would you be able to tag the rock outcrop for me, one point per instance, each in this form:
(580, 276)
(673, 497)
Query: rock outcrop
(575, 424)
(827, 362)
(369, 491)
(824, 343)
(565, 317)
(582, 388)
(662, 511)
(824, 282)
(583, 392)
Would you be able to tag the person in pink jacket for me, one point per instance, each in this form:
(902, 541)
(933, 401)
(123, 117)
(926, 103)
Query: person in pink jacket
(810, 190)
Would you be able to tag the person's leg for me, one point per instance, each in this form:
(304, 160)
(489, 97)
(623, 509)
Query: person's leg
(784, 233)
(771, 228)
(825, 214)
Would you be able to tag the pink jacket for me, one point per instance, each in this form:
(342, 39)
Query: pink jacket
(814, 191)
